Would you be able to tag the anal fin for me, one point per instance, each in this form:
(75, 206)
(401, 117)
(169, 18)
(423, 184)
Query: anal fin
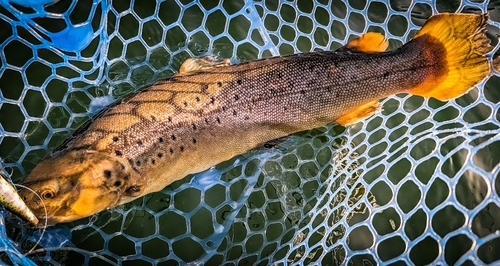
(358, 113)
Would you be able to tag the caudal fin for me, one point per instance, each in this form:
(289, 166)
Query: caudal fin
(463, 37)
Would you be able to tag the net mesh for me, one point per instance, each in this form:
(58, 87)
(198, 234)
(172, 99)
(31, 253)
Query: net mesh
(414, 184)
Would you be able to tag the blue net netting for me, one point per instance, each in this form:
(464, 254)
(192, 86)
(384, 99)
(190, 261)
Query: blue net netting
(415, 184)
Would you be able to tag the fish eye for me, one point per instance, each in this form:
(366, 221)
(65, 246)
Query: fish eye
(47, 194)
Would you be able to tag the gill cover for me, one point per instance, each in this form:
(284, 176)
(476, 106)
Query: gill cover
(77, 184)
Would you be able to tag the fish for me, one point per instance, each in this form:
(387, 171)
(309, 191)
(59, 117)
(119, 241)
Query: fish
(10, 198)
(212, 110)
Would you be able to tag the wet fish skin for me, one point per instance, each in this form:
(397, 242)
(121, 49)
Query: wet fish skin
(208, 114)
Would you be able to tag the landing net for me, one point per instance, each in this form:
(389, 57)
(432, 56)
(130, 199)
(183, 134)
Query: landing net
(415, 184)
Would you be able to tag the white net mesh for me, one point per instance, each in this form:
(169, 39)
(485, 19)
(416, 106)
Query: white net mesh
(415, 184)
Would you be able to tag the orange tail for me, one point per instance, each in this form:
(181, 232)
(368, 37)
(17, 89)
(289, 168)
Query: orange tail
(464, 39)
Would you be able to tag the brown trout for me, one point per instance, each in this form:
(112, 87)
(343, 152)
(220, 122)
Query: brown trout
(212, 111)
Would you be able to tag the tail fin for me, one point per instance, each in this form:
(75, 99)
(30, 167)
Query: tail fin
(464, 39)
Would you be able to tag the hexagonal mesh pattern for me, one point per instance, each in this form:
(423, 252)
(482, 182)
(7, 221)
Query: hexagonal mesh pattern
(415, 184)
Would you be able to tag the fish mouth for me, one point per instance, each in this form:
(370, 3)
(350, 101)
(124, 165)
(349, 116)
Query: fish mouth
(47, 215)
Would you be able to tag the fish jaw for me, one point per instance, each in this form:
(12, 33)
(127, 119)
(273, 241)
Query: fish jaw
(76, 184)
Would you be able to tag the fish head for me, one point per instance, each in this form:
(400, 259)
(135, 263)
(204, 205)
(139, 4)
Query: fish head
(76, 184)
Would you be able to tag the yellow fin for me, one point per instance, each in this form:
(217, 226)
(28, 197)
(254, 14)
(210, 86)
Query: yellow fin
(370, 42)
(464, 39)
(204, 63)
(358, 113)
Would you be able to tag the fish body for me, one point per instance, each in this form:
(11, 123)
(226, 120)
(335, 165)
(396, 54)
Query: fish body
(212, 111)
(13, 202)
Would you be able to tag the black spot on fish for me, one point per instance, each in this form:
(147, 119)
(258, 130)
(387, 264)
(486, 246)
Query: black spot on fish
(386, 74)
(171, 151)
(153, 118)
(194, 141)
(302, 92)
(270, 91)
(119, 153)
(194, 126)
(223, 108)
(212, 100)
(206, 120)
(173, 137)
(160, 139)
(153, 161)
(117, 183)
(246, 117)
(218, 120)
(138, 163)
(239, 81)
(219, 84)
(236, 97)
(185, 104)
(160, 155)
(169, 119)
(107, 173)
(285, 108)
(115, 138)
(204, 87)
(139, 142)
(182, 148)
(197, 98)
(234, 113)
(329, 89)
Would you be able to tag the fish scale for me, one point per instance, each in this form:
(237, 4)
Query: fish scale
(284, 105)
